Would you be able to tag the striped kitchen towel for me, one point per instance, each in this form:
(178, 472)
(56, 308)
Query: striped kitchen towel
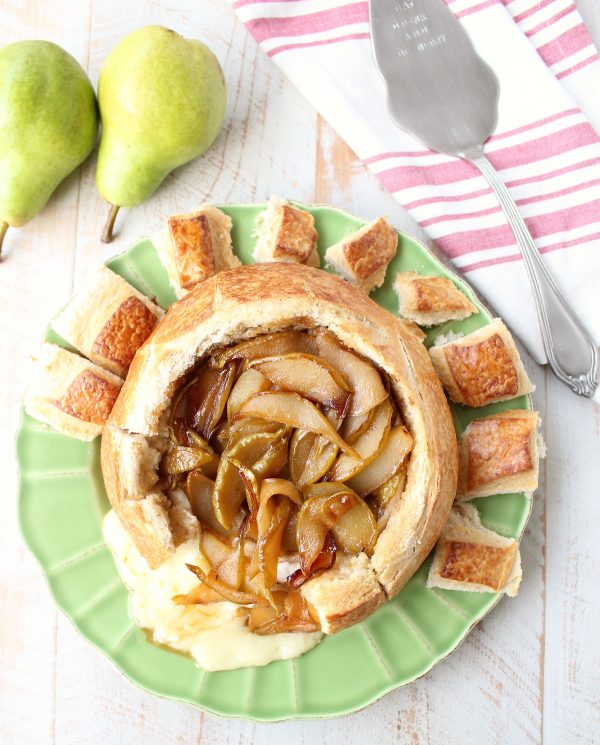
(545, 146)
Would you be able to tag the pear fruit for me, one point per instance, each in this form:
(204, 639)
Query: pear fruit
(48, 126)
(162, 101)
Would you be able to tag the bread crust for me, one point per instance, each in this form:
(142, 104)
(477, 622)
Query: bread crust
(430, 300)
(363, 256)
(69, 393)
(481, 368)
(156, 523)
(107, 320)
(250, 300)
(286, 234)
(470, 557)
(499, 454)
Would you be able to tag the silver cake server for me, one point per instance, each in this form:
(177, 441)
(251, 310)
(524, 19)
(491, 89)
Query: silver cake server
(441, 92)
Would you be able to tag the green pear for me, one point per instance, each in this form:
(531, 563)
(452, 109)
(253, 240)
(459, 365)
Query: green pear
(48, 126)
(162, 101)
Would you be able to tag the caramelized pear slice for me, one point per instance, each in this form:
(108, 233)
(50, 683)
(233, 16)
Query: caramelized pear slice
(353, 426)
(273, 515)
(294, 411)
(367, 445)
(197, 441)
(383, 496)
(277, 497)
(283, 487)
(392, 455)
(362, 377)
(221, 436)
(325, 560)
(289, 613)
(309, 376)
(226, 591)
(251, 381)
(200, 489)
(274, 461)
(250, 484)
(210, 468)
(311, 456)
(230, 491)
(354, 528)
(209, 414)
(317, 516)
(289, 542)
(197, 401)
(232, 571)
(250, 426)
(181, 459)
(279, 342)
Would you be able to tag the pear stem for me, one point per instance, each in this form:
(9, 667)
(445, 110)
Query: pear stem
(3, 229)
(107, 233)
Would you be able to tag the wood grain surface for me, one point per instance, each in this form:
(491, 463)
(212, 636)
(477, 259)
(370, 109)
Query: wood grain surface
(529, 673)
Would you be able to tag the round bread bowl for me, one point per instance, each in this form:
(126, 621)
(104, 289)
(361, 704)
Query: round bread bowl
(251, 300)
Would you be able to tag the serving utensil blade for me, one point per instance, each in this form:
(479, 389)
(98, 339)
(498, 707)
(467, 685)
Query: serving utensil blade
(442, 93)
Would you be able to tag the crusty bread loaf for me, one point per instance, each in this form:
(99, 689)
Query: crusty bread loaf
(107, 320)
(69, 393)
(244, 302)
(430, 300)
(362, 257)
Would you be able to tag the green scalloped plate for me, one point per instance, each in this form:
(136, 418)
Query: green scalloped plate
(62, 502)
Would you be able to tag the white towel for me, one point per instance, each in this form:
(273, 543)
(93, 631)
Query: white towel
(545, 145)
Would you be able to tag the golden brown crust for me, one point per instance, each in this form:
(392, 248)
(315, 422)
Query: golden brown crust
(430, 300)
(477, 563)
(481, 368)
(286, 234)
(470, 557)
(362, 257)
(296, 237)
(373, 249)
(69, 393)
(89, 398)
(499, 454)
(195, 246)
(192, 248)
(244, 302)
(107, 320)
(415, 522)
(124, 333)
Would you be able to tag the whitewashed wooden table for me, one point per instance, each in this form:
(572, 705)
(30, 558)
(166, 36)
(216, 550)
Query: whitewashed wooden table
(528, 673)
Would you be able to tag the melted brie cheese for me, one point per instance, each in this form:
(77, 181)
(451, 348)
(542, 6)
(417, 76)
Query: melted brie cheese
(215, 635)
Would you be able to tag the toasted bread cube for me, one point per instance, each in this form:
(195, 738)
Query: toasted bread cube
(107, 321)
(195, 246)
(499, 454)
(470, 557)
(70, 394)
(287, 234)
(430, 300)
(363, 257)
(481, 368)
